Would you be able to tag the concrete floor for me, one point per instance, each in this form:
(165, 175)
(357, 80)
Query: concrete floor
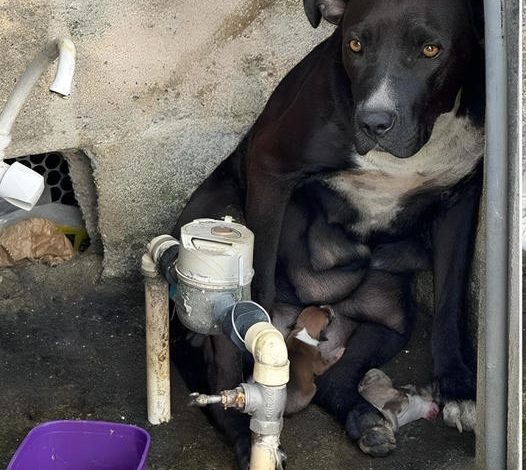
(72, 348)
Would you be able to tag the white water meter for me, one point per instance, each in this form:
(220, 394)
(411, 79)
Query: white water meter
(214, 271)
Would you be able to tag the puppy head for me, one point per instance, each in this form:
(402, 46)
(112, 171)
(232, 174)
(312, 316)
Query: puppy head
(406, 61)
(315, 320)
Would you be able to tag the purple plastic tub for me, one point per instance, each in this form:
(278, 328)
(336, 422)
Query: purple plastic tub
(82, 445)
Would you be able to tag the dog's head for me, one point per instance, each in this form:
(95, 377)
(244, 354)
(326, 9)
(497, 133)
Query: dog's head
(315, 320)
(406, 61)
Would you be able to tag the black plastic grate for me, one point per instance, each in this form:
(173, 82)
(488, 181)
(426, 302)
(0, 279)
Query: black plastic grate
(55, 170)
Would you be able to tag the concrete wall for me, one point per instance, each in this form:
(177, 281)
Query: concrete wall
(163, 91)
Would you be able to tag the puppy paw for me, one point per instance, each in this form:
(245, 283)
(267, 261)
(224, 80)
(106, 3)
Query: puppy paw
(375, 435)
(460, 414)
(378, 441)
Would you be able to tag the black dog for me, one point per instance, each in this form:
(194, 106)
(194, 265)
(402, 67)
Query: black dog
(385, 119)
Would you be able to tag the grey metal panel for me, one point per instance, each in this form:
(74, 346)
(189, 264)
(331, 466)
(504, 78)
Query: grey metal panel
(499, 384)
(513, 22)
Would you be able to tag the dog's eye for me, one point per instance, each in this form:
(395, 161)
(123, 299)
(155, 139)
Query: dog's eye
(355, 45)
(430, 51)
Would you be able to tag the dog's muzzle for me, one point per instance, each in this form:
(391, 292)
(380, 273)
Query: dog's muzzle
(376, 124)
(384, 129)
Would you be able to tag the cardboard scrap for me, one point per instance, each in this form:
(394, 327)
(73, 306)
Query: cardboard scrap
(33, 240)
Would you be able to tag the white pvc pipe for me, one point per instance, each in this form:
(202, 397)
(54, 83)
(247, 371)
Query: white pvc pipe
(157, 343)
(64, 49)
(263, 454)
(19, 185)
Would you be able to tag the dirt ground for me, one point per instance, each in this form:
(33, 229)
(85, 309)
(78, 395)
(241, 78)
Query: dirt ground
(73, 348)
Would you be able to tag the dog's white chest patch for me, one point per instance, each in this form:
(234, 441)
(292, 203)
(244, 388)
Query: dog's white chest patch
(378, 187)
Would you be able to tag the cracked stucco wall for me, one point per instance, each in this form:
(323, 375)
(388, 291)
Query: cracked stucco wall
(162, 93)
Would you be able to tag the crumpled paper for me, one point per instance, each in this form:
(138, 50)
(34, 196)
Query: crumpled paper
(33, 240)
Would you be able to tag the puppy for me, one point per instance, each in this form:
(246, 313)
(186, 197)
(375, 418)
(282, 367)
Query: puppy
(305, 358)
(399, 406)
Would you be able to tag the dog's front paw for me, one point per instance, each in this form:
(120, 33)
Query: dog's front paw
(374, 434)
(460, 414)
(457, 383)
(378, 441)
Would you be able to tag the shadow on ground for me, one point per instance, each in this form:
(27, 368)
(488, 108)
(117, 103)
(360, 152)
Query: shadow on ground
(72, 348)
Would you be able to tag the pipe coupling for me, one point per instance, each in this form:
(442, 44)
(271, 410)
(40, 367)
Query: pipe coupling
(159, 245)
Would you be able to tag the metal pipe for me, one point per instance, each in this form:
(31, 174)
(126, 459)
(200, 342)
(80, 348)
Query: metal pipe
(271, 374)
(513, 23)
(263, 400)
(157, 343)
(498, 331)
(212, 256)
(265, 454)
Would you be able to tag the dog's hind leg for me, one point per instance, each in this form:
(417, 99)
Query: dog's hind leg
(337, 390)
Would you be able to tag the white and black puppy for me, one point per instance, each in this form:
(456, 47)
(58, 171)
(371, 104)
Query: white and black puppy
(399, 405)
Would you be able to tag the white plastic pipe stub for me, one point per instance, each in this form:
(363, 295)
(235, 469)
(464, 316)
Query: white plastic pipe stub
(20, 185)
(66, 67)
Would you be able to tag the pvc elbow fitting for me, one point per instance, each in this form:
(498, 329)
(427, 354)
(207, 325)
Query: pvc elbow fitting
(66, 67)
(267, 345)
(20, 186)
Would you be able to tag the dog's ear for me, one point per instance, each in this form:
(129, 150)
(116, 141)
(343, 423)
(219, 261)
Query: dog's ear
(331, 10)
(330, 312)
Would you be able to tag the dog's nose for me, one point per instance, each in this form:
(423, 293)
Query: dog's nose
(376, 123)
